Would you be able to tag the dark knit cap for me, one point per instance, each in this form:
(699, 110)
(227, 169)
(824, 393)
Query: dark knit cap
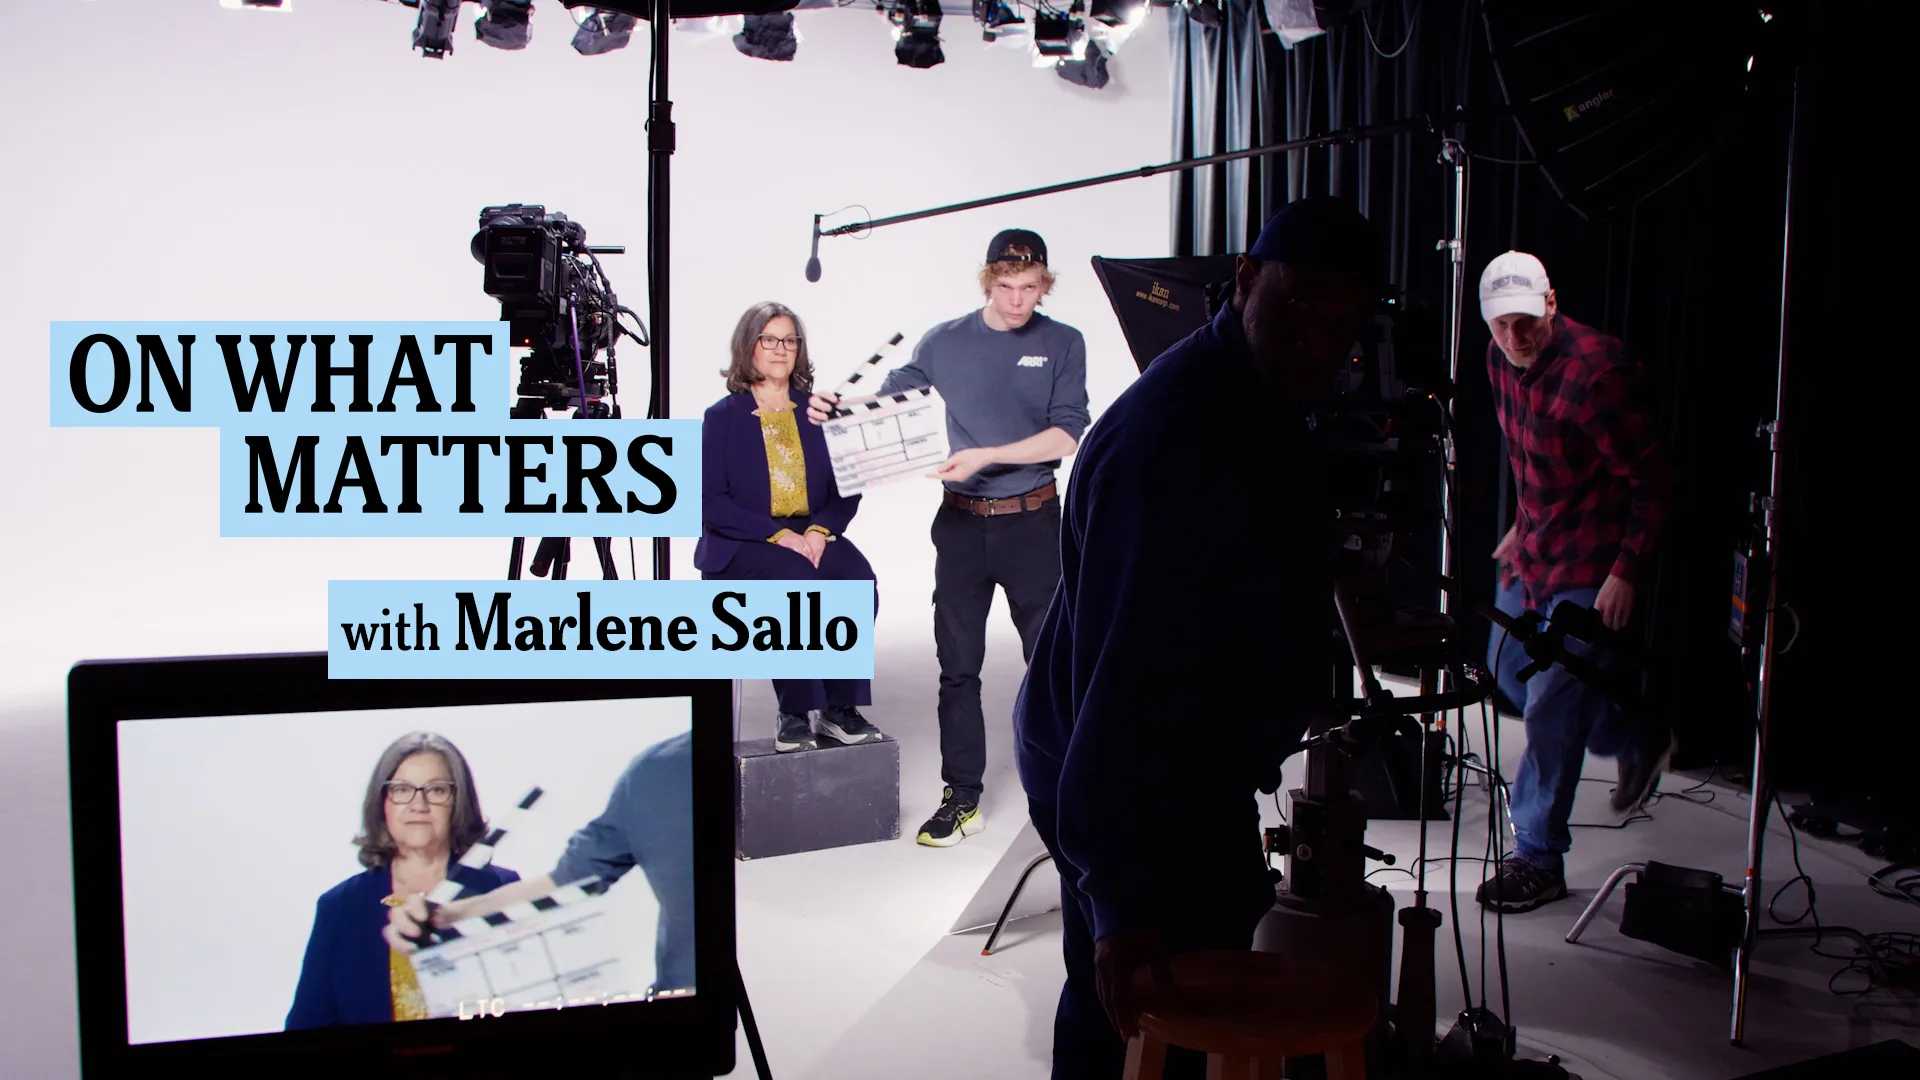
(1324, 234)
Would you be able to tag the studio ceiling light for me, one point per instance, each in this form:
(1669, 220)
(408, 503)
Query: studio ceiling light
(433, 32)
(768, 37)
(916, 33)
(1055, 36)
(503, 24)
(603, 32)
(996, 19)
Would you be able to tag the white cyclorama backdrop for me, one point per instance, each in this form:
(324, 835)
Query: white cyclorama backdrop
(174, 159)
(233, 826)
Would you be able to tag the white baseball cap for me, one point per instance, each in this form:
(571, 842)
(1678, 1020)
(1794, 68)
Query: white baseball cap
(1514, 284)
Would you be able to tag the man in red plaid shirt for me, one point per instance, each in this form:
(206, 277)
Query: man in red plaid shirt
(1592, 490)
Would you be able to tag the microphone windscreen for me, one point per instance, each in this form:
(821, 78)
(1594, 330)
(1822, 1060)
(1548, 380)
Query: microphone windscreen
(813, 269)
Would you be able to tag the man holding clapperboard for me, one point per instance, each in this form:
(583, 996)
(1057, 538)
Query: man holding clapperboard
(1014, 383)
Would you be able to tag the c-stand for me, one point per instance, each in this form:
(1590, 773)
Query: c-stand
(1325, 909)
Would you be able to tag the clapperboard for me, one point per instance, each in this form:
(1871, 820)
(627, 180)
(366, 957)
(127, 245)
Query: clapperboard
(873, 442)
(554, 951)
(558, 951)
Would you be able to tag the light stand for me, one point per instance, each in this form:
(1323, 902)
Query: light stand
(1767, 511)
(1768, 508)
(1454, 154)
(660, 145)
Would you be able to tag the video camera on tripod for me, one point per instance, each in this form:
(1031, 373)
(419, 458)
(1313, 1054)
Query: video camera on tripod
(559, 304)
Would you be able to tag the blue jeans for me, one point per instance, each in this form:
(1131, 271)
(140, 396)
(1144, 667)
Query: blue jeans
(1565, 720)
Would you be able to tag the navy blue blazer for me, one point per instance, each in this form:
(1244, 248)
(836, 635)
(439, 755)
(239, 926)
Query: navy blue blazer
(347, 975)
(736, 488)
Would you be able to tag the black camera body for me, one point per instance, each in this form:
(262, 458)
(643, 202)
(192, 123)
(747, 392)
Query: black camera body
(557, 304)
(1386, 442)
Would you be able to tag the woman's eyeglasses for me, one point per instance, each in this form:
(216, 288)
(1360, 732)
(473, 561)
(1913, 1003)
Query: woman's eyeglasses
(439, 793)
(780, 344)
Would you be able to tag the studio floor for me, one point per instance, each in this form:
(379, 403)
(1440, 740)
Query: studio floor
(856, 972)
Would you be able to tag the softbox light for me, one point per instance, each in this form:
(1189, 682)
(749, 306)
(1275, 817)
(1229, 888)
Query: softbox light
(1614, 99)
(1159, 302)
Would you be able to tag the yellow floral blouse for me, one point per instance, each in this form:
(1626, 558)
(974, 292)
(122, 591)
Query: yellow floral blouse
(786, 467)
(408, 1002)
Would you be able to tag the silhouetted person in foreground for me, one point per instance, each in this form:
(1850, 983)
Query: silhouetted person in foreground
(1189, 640)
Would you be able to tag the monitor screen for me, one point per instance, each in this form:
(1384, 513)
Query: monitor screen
(363, 870)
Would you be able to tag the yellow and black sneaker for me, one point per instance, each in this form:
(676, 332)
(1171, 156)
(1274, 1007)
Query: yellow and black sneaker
(954, 821)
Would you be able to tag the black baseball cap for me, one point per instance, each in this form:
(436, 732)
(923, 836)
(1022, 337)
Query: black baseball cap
(1006, 247)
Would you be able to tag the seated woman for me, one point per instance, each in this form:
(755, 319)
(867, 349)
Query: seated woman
(420, 815)
(772, 510)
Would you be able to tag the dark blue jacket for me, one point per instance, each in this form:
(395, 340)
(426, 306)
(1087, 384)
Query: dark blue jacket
(1183, 650)
(346, 977)
(736, 489)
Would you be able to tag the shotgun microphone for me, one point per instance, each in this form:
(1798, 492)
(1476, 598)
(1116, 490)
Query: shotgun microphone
(813, 261)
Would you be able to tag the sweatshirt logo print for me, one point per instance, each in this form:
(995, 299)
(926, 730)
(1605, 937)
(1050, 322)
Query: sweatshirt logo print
(1033, 361)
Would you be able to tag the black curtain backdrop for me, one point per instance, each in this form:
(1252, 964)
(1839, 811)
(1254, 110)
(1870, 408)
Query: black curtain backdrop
(1689, 278)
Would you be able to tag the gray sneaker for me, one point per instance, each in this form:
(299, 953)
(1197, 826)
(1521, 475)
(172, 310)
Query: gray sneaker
(795, 734)
(846, 725)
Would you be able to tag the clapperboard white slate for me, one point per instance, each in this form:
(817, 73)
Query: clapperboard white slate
(558, 951)
(887, 438)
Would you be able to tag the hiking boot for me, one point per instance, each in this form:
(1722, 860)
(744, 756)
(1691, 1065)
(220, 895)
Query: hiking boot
(1521, 886)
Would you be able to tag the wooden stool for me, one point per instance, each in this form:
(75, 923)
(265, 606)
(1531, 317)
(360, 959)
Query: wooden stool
(1250, 1011)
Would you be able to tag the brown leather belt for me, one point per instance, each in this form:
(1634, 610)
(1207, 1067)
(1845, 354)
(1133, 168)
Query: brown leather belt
(1012, 504)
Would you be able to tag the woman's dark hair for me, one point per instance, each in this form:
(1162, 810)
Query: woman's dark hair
(469, 824)
(740, 374)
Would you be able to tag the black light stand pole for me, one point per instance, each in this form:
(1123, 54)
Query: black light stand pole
(659, 157)
(1769, 508)
(1454, 154)
(660, 153)
(1415, 996)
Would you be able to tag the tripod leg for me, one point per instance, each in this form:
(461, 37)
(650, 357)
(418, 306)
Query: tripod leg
(753, 1030)
(603, 546)
(513, 564)
(550, 558)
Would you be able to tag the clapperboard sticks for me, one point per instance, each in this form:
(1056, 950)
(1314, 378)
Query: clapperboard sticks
(886, 401)
(867, 367)
(512, 913)
(477, 857)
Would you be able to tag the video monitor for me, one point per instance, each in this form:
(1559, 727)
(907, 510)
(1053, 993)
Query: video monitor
(247, 835)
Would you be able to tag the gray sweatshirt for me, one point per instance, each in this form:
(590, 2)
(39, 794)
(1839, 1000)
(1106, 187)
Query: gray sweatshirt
(1001, 386)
